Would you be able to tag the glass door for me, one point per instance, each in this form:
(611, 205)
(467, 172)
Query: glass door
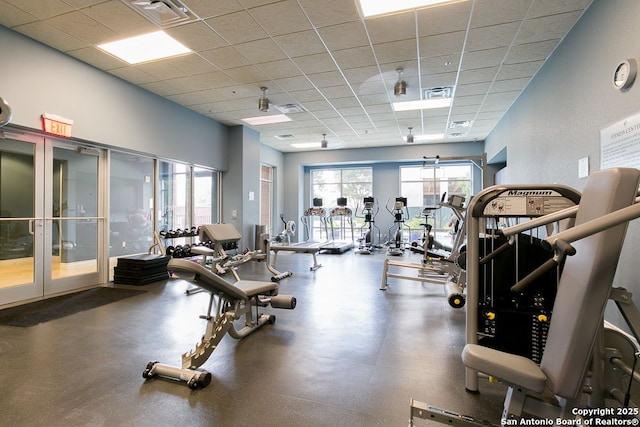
(74, 222)
(21, 225)
(51, 220)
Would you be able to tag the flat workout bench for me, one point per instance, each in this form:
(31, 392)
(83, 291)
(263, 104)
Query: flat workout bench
(232, 301)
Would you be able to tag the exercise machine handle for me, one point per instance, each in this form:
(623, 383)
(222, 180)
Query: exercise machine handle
(562, 250)
(491, 255)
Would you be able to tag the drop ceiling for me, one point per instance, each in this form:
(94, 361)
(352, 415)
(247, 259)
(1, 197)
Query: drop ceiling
(320, 57)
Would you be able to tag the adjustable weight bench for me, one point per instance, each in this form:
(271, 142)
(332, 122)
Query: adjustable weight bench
(578, 311)
(231, 301)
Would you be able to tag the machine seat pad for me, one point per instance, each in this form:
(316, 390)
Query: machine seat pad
(510, 368)
(254, 287)
(220, 233)
(211, 282)
(202, 250)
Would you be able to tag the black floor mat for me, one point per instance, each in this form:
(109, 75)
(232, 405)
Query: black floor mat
(54, 308)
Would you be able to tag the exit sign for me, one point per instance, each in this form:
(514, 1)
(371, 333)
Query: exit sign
(57, 125)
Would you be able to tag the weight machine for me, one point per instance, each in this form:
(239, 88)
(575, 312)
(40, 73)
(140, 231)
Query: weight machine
(443, 267)
(582, 357)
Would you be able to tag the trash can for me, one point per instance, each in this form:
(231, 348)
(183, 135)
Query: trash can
(259, 241)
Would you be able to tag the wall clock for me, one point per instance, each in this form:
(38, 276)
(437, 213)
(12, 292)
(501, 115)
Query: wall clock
(625, 74)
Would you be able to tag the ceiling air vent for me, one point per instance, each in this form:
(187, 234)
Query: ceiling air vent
(163, 13)
(286, 137)
(460, 124)
(439, 92)
(290, 108)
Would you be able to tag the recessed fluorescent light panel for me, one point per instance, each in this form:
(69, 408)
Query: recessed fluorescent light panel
(266, 120)
(144, 48)
(307, 145)
(422, 104)
(426, 138)
(383, 7)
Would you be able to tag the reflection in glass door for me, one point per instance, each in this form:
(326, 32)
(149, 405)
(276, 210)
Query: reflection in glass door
(74, 223)
(20, 230)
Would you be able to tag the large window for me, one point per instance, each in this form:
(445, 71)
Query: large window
(266, 196)
(424, 186)
(174, 194)
(206, 189)
(354, 184)
(131, 205)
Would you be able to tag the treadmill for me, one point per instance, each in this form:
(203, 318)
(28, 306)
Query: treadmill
(343, 215)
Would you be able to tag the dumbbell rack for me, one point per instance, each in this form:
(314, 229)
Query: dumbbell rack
(158, 240)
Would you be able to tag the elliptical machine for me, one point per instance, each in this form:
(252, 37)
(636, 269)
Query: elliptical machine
(400, 212)
(367, 240)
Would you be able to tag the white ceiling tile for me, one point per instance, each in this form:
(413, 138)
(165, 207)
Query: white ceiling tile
(294, 84)
(317, 63)
(192, 99)
(330, 12)
(117, 16)
(494, 12)
(552, 27)
(284, 68)
(499, 101)
(483, 58)
(444, 19)
(401, 52)
(191, 64)
(344, 36)
(531, 52)
(161, 70)
(133, 75)
(225, 57)
(247, 75)
(96, 57)
(45, 33)
(209, 9)
(300, 44)
(478, 75)
(509, 85)
(441, 44)
(518, 70)
(494, 36)
(396, 27)
(263, 50)
(12, 16)
(41, 9)
(81, 27)
(281, 18)
(238, 27)
(354, 58)
(552, 7)
(196, 36)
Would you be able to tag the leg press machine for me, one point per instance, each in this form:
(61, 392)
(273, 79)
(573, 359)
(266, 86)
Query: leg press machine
(579, 363)
(228, 303)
